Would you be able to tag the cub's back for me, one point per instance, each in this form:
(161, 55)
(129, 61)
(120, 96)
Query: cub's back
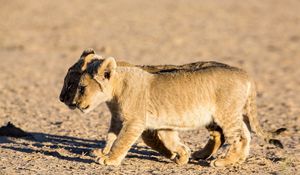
(196, 66)
(200, 72)
(203, 85)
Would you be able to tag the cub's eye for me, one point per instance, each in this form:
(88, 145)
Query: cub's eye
(81, 89)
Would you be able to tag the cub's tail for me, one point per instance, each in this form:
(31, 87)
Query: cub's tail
(251, 113)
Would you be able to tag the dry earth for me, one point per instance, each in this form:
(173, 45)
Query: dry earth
(39, 40)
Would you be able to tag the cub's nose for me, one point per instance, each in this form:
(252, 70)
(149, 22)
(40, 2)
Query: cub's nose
(72, 105)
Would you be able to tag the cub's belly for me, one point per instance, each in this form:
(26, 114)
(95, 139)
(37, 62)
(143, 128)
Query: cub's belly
(187, 120)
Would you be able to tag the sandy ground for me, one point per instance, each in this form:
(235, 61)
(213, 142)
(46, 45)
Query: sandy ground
(39, 40)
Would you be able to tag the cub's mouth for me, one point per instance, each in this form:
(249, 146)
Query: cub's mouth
(72, 106)
(83, 109)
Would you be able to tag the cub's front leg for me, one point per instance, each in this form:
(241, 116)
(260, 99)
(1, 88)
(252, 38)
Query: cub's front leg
(128, 135)
(114, 130)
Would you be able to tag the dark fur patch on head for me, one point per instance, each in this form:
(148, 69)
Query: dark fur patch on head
(92, 67)
(76, 67)
(276, 142)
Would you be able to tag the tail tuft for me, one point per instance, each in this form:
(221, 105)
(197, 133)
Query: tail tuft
(279, 131)
(276, 142)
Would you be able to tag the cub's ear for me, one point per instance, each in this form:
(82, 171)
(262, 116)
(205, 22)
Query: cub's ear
(107, 69)
(86, 57)
(86, 52)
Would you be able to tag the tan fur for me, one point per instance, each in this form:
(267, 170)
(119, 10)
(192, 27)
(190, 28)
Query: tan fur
(169, 101)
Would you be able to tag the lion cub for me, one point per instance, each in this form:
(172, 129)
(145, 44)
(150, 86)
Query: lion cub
(168, 101)
(151, 138)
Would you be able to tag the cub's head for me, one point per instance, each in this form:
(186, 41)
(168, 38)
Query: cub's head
(88, 82)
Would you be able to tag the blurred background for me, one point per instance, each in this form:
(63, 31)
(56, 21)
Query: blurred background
(40, 40)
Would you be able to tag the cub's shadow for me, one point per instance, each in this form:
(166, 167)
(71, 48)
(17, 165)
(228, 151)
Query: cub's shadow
(69, 148)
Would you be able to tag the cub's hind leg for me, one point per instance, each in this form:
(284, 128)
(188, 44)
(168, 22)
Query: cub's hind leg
(216, 140)
(238, 137)
(151, 138)
(172, 142)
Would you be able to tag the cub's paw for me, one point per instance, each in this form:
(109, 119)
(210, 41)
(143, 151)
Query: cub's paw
(172, 156)
(217, 163)
(221, 162)
(183, 157)
(106, 160)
